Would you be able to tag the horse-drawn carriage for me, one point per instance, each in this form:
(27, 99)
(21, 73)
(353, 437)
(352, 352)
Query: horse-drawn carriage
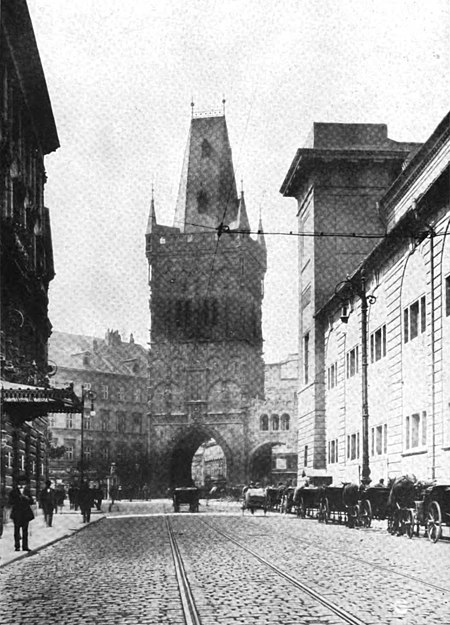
(188, 495)
(306, 501)
(377, 498)
(437, 506)
(255, 499)
(346, 502)
(287, 501)
(414, 504)
(274, 497)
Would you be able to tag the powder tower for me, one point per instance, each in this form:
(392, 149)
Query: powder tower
(206, 276)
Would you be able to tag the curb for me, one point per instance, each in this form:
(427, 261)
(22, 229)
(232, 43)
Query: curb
(29, 554)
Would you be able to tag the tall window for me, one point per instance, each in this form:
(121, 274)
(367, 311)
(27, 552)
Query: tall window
(333, 451)
(275, 422)
(104, 420)
(69, 422)
(416, 430)
(378, 440)
(306, 358)
(414, 319)
(264, 422)
(121, 394)
(447, 296)
(137, 395)
(137, 423)
(87, 452)
(285, 421)
(352, 362)
(105, 391)
(120, 422)
(87, 422)
(68, 454)
(332, 376)
(305, 456)
(378, 344)
(353, 446)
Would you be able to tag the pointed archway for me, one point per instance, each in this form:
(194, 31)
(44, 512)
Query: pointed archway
(184, 449)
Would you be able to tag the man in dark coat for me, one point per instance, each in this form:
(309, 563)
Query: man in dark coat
(20, 500)
(86, 501)
(48, 502)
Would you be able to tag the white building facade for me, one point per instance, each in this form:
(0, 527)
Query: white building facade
(407, 283)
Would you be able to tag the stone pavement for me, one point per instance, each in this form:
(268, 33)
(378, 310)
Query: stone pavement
(40, 536)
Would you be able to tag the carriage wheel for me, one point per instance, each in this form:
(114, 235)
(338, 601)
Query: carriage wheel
(365, 513)
(408, 523)
(434, 524)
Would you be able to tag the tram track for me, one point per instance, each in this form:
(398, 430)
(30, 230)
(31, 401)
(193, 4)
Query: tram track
(344, 615)
(190, 612)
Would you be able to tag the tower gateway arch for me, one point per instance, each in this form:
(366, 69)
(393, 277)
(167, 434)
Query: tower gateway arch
(206, 277)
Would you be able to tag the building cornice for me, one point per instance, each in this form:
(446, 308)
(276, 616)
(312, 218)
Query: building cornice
(308, 158)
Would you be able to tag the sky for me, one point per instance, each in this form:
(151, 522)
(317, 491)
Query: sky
(121, 78)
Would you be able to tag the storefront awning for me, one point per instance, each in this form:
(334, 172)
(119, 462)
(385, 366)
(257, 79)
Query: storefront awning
(26, 402)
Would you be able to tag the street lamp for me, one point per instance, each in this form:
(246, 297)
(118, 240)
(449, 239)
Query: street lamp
(90, 396)
(357, 285)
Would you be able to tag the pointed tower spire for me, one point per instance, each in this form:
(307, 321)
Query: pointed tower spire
(207, 194)
(260, 238)
(152, 215)
(242, 223)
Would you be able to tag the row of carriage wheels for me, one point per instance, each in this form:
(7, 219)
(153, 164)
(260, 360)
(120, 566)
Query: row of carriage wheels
(403, 521)
(358, 515)
(407, 521)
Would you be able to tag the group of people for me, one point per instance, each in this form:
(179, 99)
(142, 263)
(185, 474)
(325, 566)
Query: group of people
(50, 500)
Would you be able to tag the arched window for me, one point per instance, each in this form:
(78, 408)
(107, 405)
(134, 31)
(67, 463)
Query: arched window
(285, 421)
(264, 422)
(275, 422)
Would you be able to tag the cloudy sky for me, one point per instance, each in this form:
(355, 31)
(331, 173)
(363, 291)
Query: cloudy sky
(121, 76)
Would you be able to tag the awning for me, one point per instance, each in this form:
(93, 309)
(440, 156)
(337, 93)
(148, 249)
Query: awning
(26, 402)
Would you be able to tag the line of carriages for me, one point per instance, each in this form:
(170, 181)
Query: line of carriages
(407, 505)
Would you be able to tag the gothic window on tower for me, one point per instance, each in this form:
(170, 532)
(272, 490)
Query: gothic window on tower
(206, 148)
(202, 201)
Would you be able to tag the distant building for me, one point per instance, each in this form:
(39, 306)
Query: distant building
(27, 134)
(273, 427)
(115, 432)
(337, 180)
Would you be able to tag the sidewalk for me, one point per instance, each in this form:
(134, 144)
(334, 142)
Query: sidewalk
(40, 536)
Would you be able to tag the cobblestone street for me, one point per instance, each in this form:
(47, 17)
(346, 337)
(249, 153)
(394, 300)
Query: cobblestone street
(121, 570)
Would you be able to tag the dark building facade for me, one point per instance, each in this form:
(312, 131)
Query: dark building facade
(206, 288)
(27, 134)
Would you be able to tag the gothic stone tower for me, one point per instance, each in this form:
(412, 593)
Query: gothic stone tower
(206, 287)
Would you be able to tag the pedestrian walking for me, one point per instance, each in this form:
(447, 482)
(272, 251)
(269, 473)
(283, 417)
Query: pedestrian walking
(48, 502)
(85, 501)
(60, 496)
(99, 497)
(20, 500)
